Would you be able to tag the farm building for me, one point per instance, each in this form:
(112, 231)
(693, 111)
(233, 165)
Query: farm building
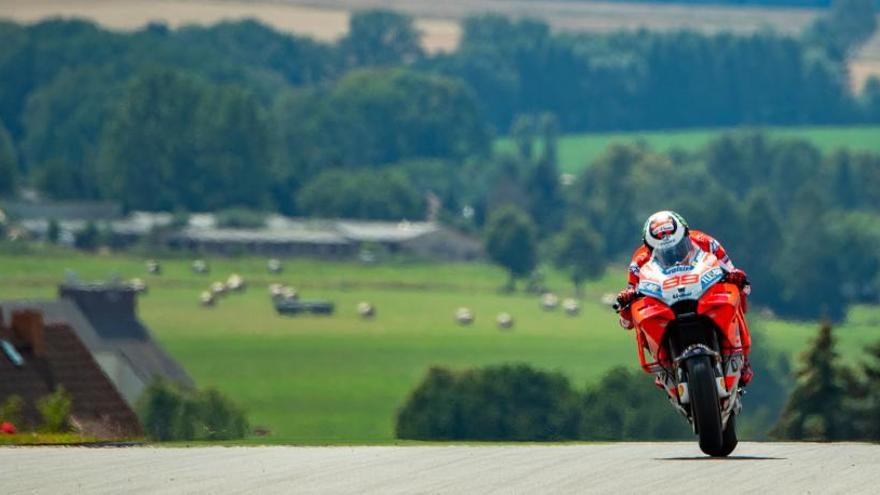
(40, 357)
(280, 236)
(331, 238)
(104, 319)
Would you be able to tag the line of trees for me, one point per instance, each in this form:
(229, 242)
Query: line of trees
(521, 403)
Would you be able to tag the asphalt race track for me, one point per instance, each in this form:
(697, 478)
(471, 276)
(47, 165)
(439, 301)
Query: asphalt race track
(575, 468)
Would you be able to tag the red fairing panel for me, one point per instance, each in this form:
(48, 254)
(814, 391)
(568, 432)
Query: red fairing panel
(651, 317)
(722, 303)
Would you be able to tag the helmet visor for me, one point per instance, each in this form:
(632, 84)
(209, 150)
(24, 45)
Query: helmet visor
(674, 254)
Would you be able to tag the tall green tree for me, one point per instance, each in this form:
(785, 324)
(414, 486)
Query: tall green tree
(381, 38)
(63, 121)
(848, 25)
(178, 143)
(380, 116)
(869, 396)
(546, 204)
(817, 408)
(8, 163)
(578, 251)
(382, 195)
(232, 152)
(522, 131)
(148, 151)
(510, 242)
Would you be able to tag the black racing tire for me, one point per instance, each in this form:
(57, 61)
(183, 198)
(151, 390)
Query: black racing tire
(705, 407)
(728, 438)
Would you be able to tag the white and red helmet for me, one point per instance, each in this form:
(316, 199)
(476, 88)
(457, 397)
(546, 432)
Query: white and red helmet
(666, 235)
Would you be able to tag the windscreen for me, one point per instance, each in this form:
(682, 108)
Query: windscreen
(675, 254)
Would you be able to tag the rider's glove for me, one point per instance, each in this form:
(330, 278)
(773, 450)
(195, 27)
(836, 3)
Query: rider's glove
(739, 278)
(626, 297)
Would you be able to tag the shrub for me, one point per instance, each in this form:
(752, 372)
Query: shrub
(624, 406)
(221, 417)
(55, 411)
(169, 413)
(10, 410)
(509, 402)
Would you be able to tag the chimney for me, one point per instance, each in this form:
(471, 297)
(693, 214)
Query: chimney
(27, 329)
(104, 299)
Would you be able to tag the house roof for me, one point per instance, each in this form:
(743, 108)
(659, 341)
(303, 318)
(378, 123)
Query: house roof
(280, 236)
(106, 330)
(97, 406)
(384, 231)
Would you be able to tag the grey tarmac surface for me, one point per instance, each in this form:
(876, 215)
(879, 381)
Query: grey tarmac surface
(567, 468)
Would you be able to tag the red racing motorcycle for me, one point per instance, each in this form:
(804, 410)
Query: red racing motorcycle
(693, 324)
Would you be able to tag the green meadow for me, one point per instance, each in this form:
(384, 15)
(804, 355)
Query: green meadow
(577, 151)
(340, 379)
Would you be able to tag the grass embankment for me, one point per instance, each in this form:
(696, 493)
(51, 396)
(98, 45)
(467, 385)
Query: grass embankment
(46, 439)
(340, 379)
(577, 151)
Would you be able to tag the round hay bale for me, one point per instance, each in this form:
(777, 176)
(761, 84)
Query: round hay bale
(504, 321)
(154, 268)
(571, 307)
(464, 316)
(200, 267)
(235, 283)
(274, 266)
(207, 299)
(276, 290)
(289, 294)
(218, 288)
(549, 301)
(366, 310)
(138, 286)
(608, 299)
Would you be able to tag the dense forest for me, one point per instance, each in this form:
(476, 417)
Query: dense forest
(238, 115)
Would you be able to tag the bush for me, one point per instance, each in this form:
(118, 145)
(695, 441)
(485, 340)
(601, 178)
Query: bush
(509, 402)
(624, 406)
(55, 411)
(516, 402)
(10, 410)
(169, 413)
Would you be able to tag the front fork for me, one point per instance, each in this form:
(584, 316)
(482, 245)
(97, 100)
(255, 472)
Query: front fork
(727, 373)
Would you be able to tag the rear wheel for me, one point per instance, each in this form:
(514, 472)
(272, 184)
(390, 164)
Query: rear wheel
(704, 405)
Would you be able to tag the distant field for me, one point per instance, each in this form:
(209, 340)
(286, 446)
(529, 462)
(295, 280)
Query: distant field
(340, 379)
(576, 151)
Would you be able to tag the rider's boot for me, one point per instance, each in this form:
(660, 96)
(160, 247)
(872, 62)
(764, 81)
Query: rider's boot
(746, 375)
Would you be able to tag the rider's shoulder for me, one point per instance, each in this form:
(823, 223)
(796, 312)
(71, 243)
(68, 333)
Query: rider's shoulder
(702, 238)
(699, 234)
(641, 255)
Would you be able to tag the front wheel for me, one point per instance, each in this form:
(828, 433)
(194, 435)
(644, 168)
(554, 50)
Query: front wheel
(705, 407)
(728, 440)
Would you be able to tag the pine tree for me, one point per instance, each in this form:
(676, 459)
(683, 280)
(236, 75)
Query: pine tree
(869, 396)
(817, 408)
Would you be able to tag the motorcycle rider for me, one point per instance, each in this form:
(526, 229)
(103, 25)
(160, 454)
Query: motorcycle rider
(667, 238)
